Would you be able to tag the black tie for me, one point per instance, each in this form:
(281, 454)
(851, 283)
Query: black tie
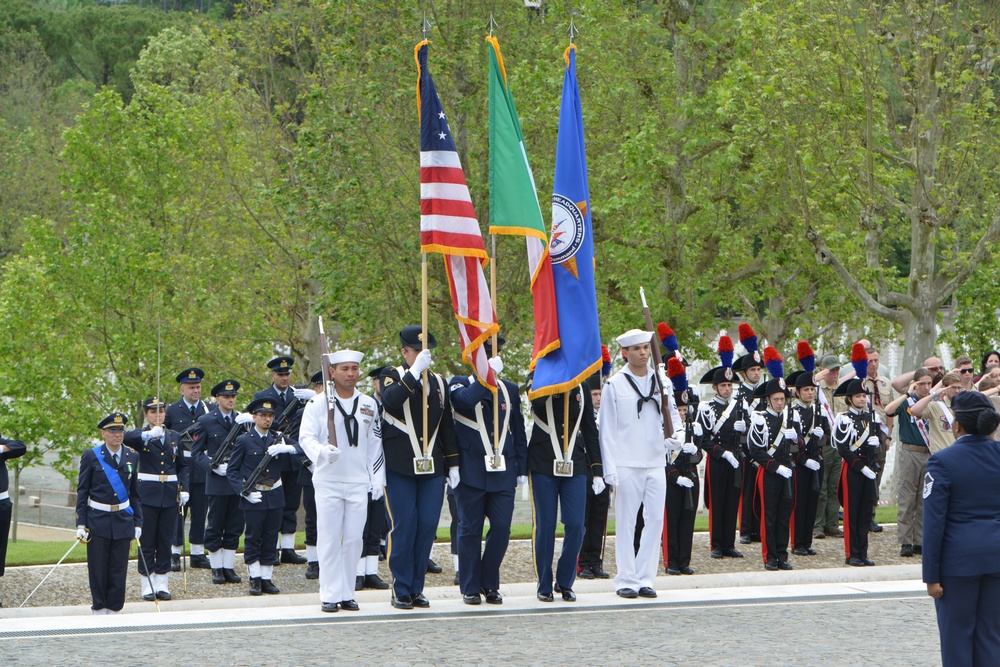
(193, 413)
(350, 422)
(228, 425)
(115, 457)
(642, 398)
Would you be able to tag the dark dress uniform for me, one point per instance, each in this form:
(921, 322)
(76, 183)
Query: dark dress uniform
(722, 481)
(305, 482)
(163, 474)
(808, 482)
(110, 518)
(11, 450)
(376, 525)
(225, 518)
(181, 416)
(414, 501)
(483, 494)
(681, 504)
(749, 521)
(595, 518)
(568, 494)
(770, 449)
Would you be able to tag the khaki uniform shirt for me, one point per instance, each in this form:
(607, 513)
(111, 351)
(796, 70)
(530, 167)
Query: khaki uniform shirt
(939, 428)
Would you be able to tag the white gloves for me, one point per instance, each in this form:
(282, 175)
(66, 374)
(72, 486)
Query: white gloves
(698, 431)
(244, 418)
(784, 471)
(376, 491)
(598, 486)
(279, 448)
(672, 444)
(812, 464)
(611, 480)
(522, 479)
(685, 482)
(304, 394)
(817, 431)
(873, 441)
(221, 470)
(496, 363)
(790, 434)
(185, 497)
(740, 426)
(421, 363)
(138, 533)
(81, 533)
(453, 478)
(689, 448)
(728, 456)
(254, 497)
(332, 453)
(154, 433)
(867, 472)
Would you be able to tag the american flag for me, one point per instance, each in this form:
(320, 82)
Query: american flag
(448, 224)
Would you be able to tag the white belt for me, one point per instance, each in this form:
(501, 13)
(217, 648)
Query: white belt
(107, 508)
(261, 487)
(4, 495)
(187, 454)
(147, 477)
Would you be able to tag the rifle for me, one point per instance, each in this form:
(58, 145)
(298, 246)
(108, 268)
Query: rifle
(740, 440)
(226, 448)
(186, 439)
(281, 421)
(328, 388)
(660, 374)
(258, 476)
(817, 412)
(785, 451)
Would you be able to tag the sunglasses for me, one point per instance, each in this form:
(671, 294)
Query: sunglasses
(964, 370)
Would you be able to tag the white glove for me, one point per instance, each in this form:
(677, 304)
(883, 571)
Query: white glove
(728, 456)
(740, 426)
(376, 491)
(421, 363)
(138, 533)
(453, 478)
(221, 470)
(332, 453)
(155, 432)
(689, 448)
(81, 533)
(244, 418)
(812, 464)
(254, 497)
(185, 497)
(817, 431)
(685, 482)
(698, 431)
(304, 394)
(672, 444)
(784, 472)
(867, 472)
(611, 480)
(496, 363)
(598, 486)
(522, 479)
(873, 441)
(279, 448)
(790, 434)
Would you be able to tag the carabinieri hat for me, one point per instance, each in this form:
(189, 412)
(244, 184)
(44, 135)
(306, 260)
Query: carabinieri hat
(114, 422)
(261, 405)
(748, 339)
(678, 377)
(856, 385)
(226, 388)
(281, 365)
(723, 373)
(153, 404)
(190, 376)
(776, 368)
(413, 338)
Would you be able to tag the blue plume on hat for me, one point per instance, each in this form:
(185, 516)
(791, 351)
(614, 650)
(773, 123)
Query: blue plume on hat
(859, 359)
(726, 351)
(773, 362)
(806, 356)
(667, 337)
(677, 374)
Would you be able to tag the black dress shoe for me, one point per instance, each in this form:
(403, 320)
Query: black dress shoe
(717, 553)
(200, 562)
(267, 586)
(855, 562)
(732, 553)
(785, 565)
(745, 539)
(687, 570)
(906, 550)
(349, 605)
(434, 568)
(868, 561)
(647, 592)
(545, 597)
(164, 595)
(291, 557)
(810, 551)
(359, 583)
(329, 607)
(493, 597)
(175, 562)
(873, 527)
(568, 595)
(374, 582)
(312, 569)
(474, 598)
(149, 597)
(600, 574)
(420, 601)
(674, 571)
(231, 576)
(455, 581)
(918, 549)
(627, 593)
(800, 551)
(771, 566)
(402, 601)
(254, 585)
(218, 577)
(586, 572)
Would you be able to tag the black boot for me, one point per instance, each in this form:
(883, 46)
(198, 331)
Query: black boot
(255, 586)
(200, 562)
(218, 575)
(289, 556)
(175, 562)
(267, 586)
(231, 576)
(375, 582)
(312, 569)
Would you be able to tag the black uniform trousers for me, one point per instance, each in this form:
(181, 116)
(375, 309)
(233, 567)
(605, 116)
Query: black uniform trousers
(775, 494)
(107, 564)
(807, 485)
(595, 522)
(479, 566)
(678, 524)
(293, 498)
(722, 497)
(309, 503)
(375, 527)
(857, 495)
(225, 523)
(260, 544)
(453, 512)
(158, 524)
(5, 510)
(197, 509)
(749, 521)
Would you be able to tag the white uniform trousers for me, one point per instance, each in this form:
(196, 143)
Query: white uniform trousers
(648, 487)
(341, 513)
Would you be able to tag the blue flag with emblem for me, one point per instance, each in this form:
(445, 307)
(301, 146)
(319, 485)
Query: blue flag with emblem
(571, 246)
(114, 479)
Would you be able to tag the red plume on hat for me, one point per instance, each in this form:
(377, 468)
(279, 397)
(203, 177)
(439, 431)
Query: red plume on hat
(677, 374)
(748, 339)
(806, 356)
(773, 362)
(606, 359)
(726, 351)
(667, 337)
(859, 359)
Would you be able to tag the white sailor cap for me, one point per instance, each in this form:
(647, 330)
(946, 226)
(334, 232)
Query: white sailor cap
(634, 337)
(344, 356)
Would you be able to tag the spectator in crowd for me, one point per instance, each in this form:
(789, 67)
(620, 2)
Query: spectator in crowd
(935, 408)
(902, 382)
(991, 365)
(964, 368)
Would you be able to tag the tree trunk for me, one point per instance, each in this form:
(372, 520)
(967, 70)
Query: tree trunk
(919, 334)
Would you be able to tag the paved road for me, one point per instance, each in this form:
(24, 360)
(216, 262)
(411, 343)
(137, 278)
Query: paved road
(875, 629)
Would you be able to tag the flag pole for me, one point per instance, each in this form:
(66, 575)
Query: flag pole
(496, 350)
(423, 339)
